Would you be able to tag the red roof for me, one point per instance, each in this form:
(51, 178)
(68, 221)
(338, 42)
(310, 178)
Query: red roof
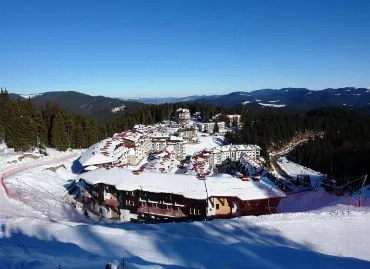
(112, 202)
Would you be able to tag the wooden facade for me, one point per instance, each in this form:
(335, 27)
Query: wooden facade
(140, 205)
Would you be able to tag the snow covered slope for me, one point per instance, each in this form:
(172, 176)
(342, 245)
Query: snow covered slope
(320, 201)
(42, 231)
(205, 141)
(326, 240)
(294, 170)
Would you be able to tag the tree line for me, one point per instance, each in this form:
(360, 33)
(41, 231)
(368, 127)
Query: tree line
(152, 114)
(343, 149)
(25, 126)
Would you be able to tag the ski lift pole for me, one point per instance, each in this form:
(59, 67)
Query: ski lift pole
(363, 183)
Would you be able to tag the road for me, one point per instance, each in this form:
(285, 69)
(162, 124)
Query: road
(277, 168)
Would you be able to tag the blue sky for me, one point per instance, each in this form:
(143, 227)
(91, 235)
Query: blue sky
(177, 48)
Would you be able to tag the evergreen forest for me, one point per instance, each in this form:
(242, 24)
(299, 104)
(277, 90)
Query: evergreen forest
(341, 147)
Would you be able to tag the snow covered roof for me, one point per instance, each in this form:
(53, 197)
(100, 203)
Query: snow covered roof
(105, 151)
(183, 110)
(176, 138)
(188, 186)
(134, 136)
(93, 155)
(236, 147)
(91, 168)
(160, 135)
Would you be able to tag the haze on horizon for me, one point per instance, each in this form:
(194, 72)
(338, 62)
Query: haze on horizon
(181, 48)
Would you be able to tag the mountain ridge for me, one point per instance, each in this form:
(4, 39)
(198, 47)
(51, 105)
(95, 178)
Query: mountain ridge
(102, 108)
(99, 107)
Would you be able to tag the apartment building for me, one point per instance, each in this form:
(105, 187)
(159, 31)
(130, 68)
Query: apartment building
(159, 141)
(233, 120)
(233, 152)
(188, 133)
(118, 193)
(139, 144)
(208, 127)
(183, 114)
(179, 146)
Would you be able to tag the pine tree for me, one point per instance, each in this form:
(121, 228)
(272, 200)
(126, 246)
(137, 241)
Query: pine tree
(216, 128)
(59, 137)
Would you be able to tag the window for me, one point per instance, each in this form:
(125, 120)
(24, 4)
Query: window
(217, 206)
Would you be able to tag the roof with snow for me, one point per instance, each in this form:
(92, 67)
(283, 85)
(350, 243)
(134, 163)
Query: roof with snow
(188, 186)
(183, 110)
(105, 151)
(236, 147)
(133, 135)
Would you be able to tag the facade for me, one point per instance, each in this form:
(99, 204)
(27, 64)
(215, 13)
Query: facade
(159, 141)
(162, 141)
(139, 144)
(119, 194)
(233, 152)
(233, 119)
(179, 146)
(227, 207)
(138, 205)
(109, 202)
(183, 114)
(208, 127)
(188, 133)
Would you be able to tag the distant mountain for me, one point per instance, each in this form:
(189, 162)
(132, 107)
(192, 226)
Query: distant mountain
(98, 107)
(294, 98)
(159, 100)
(104, 108)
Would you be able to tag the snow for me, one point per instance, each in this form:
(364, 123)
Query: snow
(271, 105)
(275, 241)
(186, 185)
(30, 95)
(117, 109)
(246, 102)
(105, 151)
(330, 233)
(319, 200)
(274, 101)
(294, 170)
(204, 141)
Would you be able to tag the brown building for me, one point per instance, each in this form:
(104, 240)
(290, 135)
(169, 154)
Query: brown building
(120, 194)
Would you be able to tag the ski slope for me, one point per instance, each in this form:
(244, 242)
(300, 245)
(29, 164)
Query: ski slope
(300, 240)
(39, 230)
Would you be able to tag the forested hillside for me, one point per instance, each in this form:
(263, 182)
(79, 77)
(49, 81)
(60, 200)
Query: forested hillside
(156, 113)
(100, 108)
(24, 126)
(343, 150)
